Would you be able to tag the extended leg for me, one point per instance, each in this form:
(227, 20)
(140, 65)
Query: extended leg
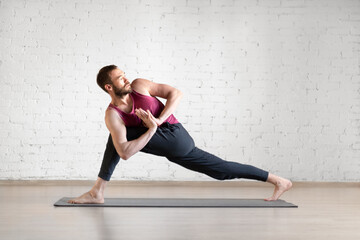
(203, 162)
(213, 166)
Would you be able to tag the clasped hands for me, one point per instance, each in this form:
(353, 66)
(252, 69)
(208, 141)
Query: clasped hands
(147, 118)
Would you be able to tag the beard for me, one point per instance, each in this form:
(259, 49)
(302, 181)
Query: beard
(121, 92)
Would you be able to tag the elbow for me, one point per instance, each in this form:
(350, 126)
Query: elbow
(124, 156)
(122, 151)
(179, 94)
(175, 94)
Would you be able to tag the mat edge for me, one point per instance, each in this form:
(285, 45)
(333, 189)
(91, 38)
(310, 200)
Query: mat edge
(63, 199)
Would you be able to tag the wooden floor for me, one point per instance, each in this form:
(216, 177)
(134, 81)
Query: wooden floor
(326, 211)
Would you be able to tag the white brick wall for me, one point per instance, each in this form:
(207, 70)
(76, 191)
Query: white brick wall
(275, 84)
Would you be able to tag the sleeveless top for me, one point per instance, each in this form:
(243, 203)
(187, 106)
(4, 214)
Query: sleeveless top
(146, 103)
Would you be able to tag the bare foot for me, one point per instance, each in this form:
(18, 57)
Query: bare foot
(88, 197)
(281, 185)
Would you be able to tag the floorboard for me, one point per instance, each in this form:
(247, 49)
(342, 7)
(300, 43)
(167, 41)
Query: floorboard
(326, 211)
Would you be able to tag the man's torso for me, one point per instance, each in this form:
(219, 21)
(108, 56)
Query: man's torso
(127, 113)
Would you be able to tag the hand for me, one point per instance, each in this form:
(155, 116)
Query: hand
(148, 119)
(158, 121)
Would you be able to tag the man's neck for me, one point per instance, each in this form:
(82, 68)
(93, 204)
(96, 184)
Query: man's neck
(121, 101)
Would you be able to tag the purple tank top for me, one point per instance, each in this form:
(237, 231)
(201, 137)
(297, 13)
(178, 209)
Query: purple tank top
(146, 103)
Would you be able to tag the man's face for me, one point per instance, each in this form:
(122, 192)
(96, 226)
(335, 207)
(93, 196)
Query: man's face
(121, 85)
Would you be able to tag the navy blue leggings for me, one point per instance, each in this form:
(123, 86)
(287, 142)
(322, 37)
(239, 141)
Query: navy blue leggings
(174, 142)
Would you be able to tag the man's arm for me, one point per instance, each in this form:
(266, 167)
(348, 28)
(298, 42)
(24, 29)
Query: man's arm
(171, 94)
(117, 128)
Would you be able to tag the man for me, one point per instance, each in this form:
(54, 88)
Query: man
(138, 121)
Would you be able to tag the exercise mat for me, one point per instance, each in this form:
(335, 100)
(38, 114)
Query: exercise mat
(182, 202)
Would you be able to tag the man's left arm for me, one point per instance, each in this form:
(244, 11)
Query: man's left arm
(171, 94)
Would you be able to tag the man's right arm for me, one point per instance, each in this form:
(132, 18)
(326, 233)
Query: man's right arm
(117, 128)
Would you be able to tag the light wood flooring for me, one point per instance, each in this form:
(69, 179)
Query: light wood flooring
(326, 211)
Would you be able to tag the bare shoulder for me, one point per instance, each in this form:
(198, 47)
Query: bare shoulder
(110, 113)
(112, 118)
(150, 88)
(141, 86)
(116, 127)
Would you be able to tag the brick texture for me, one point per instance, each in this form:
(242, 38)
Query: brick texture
(272, 83)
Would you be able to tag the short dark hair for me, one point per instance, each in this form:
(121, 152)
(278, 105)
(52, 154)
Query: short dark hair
(103, 76)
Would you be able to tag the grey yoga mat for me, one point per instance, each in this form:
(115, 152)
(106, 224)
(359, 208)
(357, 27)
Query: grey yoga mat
(181, 202)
